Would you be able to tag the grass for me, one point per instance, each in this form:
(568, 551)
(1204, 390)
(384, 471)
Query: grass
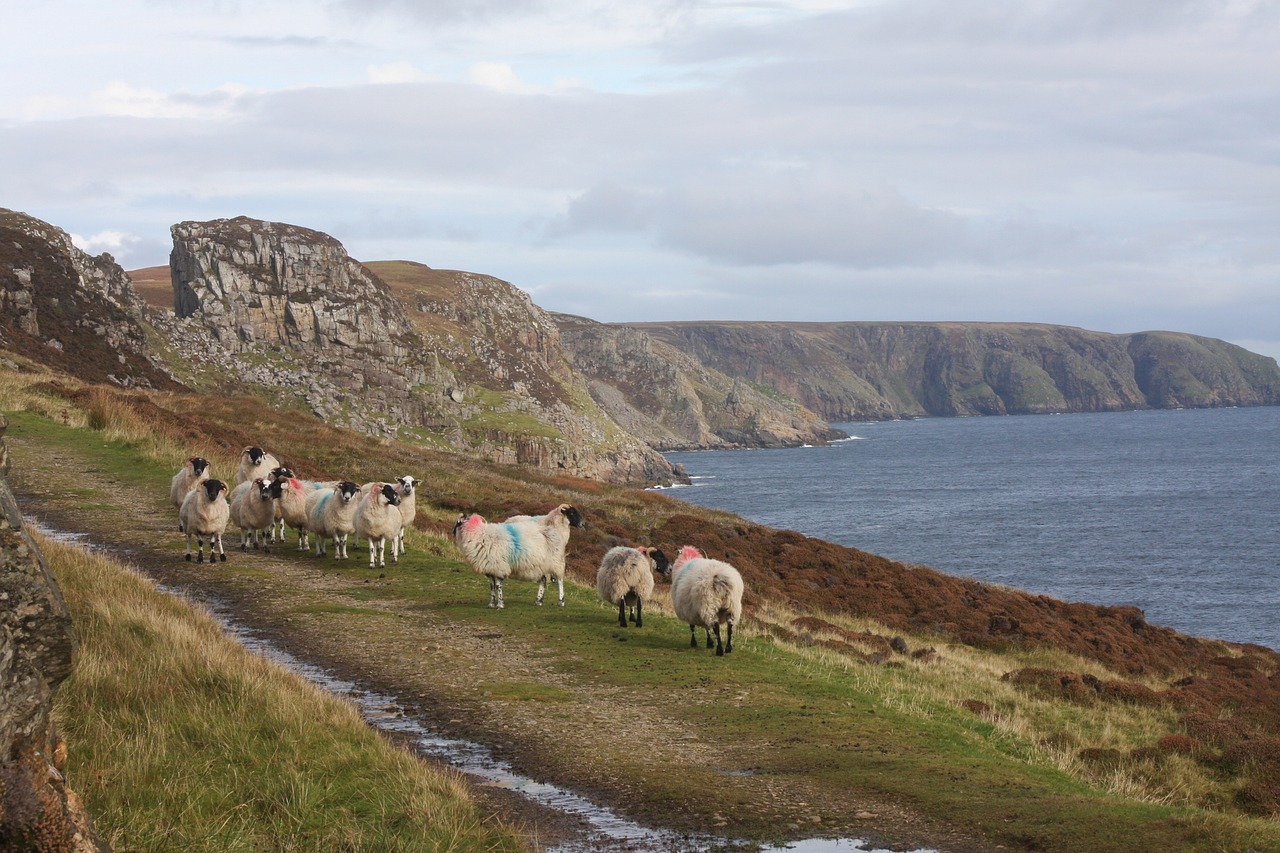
(788, 710)
(186, 741)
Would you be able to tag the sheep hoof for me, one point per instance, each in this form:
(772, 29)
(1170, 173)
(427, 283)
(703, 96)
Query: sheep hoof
(719, 653)
(188, 556)
(222, 557)
(200, 558)
(639, 624)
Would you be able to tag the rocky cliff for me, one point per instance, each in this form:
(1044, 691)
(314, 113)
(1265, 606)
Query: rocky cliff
(469, 363)
(673, 401)
(856, 371)
(61, 307)
(37, 810)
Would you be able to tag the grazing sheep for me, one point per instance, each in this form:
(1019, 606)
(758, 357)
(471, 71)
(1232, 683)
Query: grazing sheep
(331, 514)
(525, 549)
(253, 510)
(625, 578)
(378, 519)
(192, 474)
(706, 593)
(204, 513)
(255, 462)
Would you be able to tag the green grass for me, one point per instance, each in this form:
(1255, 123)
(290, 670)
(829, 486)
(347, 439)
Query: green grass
(183, 740)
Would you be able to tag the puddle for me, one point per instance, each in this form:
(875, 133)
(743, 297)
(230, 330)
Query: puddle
(608, 830)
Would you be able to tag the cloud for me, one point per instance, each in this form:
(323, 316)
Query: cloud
(397, 72)
(499, 77)
(105, 241)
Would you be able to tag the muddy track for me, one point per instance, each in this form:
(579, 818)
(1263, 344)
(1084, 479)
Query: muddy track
(436, 666)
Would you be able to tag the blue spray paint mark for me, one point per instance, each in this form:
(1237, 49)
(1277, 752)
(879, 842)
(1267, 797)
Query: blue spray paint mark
(517, 548)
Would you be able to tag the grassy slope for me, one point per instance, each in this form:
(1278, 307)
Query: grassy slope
(184, 740)
(768, 729)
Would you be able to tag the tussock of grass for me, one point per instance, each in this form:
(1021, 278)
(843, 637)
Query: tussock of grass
(197, 744)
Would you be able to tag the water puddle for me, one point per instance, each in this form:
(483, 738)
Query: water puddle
(607, 829)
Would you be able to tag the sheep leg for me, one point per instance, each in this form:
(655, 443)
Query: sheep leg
(395, 547)
(710, 644)
(542, 589)
(188, 554)
(639, 612)
(719, 648)
(222, 555)
(495, 592)
(693, 637)
(560, 587)
(728, 646)
(340, 545)
(199, 548)
(622, 612)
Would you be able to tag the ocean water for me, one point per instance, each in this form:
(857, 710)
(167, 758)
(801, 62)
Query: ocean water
(1175, 511)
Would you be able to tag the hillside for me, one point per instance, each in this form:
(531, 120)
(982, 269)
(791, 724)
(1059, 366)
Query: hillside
(870, 371)
(862, 690)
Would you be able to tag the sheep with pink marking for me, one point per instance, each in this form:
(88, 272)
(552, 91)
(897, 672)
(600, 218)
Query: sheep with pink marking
(527, 548)
(706, 594)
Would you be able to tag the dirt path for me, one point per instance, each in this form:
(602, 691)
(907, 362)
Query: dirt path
(442, 670)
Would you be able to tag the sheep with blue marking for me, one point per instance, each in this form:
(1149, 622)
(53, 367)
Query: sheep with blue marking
(529, 548)
(625, 578)
(331, 515)
(706, 593)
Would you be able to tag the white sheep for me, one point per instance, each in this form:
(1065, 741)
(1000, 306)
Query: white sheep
(280, 472)
(331, 514)
(532, 548)
(291, 502)
(406, 487)
(625, 578)
(192, 474)
(255, 462)
(706, 593)
(204, 513)
(253, 510)
(378, 519)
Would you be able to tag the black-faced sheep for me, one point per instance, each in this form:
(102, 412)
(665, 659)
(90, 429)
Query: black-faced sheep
(204, 513)
(406, 487)
(255, 462)
(253, 510)
(192, 474)
(291, 503)
(532, 548)
(625, 578)
(331, 514)
(706, 593)
(378, 519)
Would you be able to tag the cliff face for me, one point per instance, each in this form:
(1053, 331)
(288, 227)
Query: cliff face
(673, 401)
(64, 308)
(37, 810)
(468, 363)
(856, 371)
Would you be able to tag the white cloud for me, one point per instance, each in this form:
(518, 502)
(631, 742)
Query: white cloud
(105, 241)
(397, 72)
(500, 77)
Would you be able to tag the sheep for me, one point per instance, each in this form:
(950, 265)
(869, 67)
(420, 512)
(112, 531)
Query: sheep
(255, 462)
(204, 513)
(525, 549)
(192, 474)
(408, 505)
(331, 513)
(280, 472)
(625, 578)
(707, 593)
(378, 518)
(291, 502)
(253, 510)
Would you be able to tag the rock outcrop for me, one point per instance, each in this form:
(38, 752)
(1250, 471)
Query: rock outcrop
(868, 371)
(477, 368)
(61, 307)
(674, 402)
(38, 812)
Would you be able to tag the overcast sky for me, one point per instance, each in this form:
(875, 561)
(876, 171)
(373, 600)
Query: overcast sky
(1111, 164)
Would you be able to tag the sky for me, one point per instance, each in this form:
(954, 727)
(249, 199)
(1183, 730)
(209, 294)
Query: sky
(1109, 164)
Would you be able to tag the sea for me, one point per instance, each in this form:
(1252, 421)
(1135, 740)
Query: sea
(1175, 511)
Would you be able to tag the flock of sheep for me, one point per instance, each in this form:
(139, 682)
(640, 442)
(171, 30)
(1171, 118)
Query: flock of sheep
(268, 497)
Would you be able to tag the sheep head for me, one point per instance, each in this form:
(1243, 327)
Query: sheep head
(572, 514)
(214, 488)
(198, 464)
